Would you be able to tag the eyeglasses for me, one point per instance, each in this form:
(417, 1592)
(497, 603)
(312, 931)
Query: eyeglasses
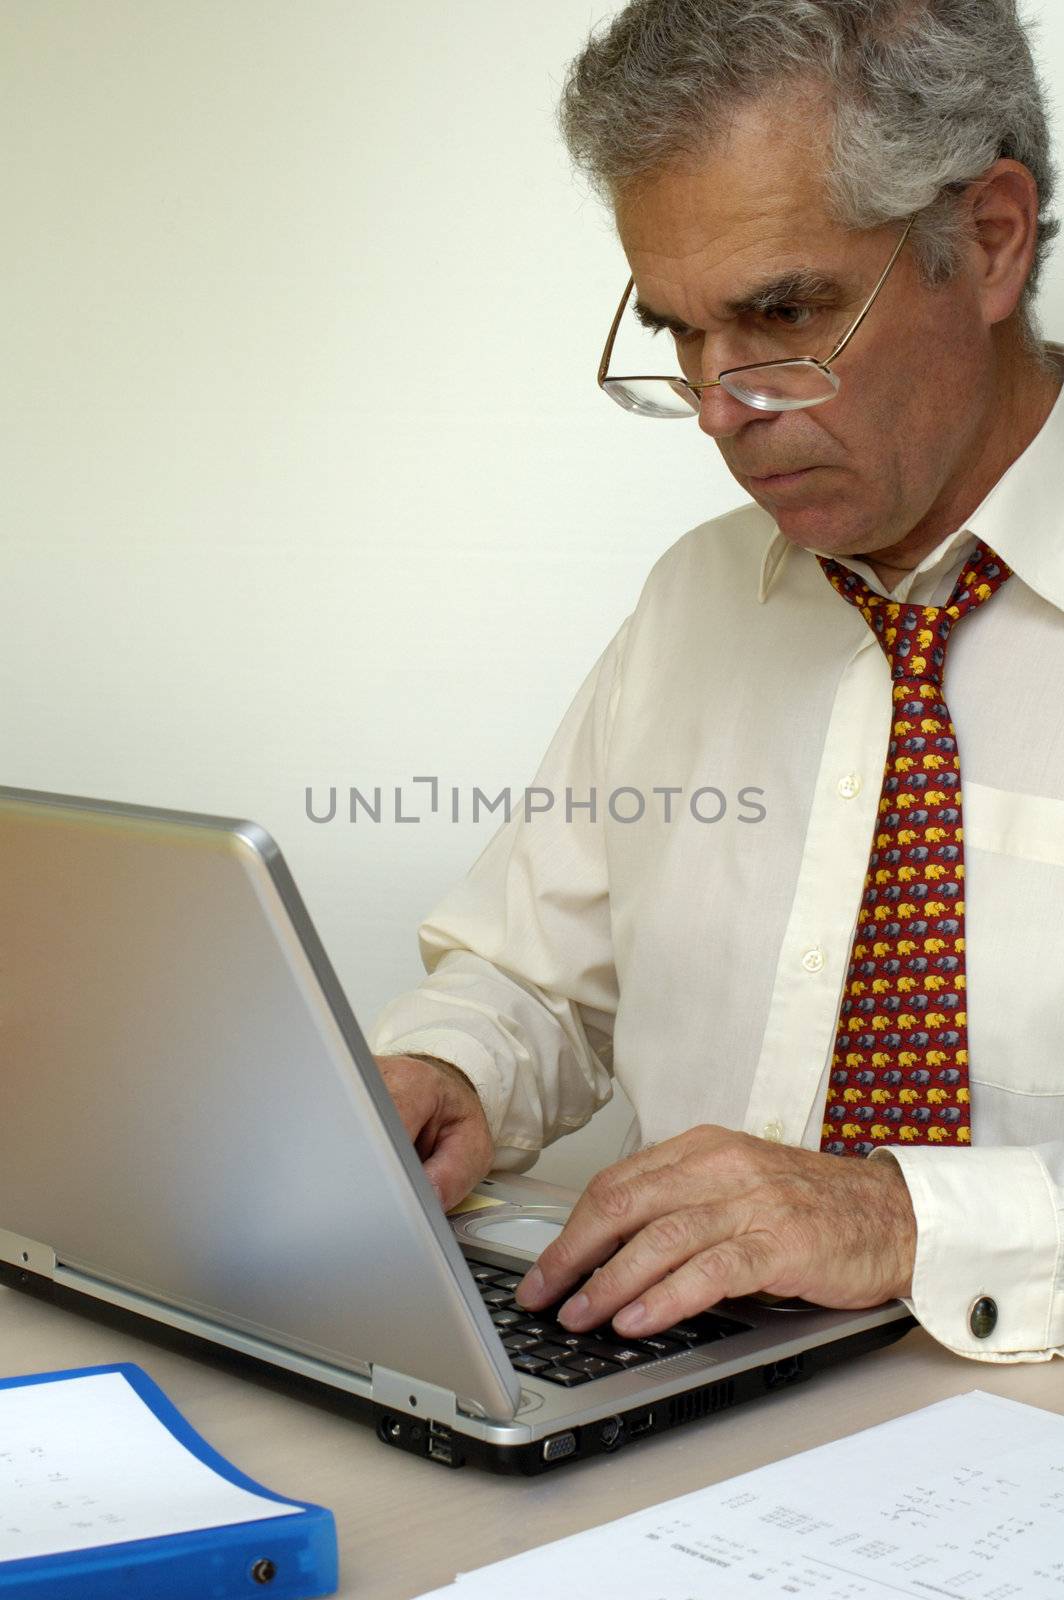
(792, 383)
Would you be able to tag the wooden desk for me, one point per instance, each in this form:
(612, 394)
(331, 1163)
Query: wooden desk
(406, 1525)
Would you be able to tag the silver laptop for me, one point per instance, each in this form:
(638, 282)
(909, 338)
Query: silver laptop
(195, 1132)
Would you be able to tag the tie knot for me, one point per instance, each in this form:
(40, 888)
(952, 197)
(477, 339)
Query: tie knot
(914, 638)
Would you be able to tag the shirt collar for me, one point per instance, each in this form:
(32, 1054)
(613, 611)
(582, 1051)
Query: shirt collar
(1019, 520)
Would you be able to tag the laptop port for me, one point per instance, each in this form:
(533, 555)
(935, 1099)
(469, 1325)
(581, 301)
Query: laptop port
(612, 1433)
(441, 1444)
(789, 1370)
(559, 1446)
(642, 1422)
(390, 1430)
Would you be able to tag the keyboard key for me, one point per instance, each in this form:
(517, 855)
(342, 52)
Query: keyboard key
(562, 1375)
(518, 1342)
(507, 1280)
(496, 1297)
(549, 1351)
(708, 1328)
(592, 1365)
(660, 1344)
(624, 1354)
(506, 1319)
(538, 1330)
(483, 1274)
(526, 1363)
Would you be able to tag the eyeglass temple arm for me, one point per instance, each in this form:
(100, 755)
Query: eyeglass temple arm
(604, 364)
(870, 302)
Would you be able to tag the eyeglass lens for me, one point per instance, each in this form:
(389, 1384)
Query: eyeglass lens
(790, 386)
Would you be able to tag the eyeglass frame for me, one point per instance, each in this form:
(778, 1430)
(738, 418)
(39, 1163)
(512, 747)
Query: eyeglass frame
(754, 366)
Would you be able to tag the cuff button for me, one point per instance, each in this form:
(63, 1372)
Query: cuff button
(982, 1318)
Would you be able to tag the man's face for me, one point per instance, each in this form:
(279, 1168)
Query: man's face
(872, 469)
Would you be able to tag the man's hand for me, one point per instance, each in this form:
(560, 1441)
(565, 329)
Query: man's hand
(442, 1113)
(713, 1214)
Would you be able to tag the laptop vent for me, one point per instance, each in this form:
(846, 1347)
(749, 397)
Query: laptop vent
(702, 1402)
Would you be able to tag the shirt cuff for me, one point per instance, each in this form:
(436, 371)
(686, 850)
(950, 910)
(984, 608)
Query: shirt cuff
(987, 1229)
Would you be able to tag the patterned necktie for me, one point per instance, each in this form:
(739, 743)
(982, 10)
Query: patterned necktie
(899, 1070)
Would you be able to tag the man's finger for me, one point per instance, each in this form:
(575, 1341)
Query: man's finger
(658, 1249)
(614, 1207)
(454, 1166)
(734, 1267)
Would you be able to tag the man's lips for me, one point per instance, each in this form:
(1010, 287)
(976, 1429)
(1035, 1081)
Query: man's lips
(787, 476)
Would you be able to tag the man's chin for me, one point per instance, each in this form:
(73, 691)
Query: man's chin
(821, 523)
(807, 525)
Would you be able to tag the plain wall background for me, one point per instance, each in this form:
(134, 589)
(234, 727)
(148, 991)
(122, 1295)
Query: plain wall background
(305, 476)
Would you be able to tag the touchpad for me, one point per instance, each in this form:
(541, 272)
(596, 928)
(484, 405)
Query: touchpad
(529, 1234)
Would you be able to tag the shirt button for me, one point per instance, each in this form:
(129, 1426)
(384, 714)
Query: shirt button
(982, 1318)
(773, 1131)
(850, 786)
(813, 960)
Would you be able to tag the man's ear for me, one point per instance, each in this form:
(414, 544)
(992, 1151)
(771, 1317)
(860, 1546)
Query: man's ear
(1003, 206)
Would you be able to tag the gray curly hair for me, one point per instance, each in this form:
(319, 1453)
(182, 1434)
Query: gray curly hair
(927, 94)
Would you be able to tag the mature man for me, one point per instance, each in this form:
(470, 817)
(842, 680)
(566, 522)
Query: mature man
(837, 210)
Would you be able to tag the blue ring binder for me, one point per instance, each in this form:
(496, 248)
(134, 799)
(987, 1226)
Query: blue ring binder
(204, 1564)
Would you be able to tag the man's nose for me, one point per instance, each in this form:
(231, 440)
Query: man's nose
(721, 415)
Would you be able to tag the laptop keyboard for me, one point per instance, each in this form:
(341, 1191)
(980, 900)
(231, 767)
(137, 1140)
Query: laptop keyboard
(537, 1343)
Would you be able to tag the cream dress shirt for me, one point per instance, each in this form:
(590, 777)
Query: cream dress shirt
(701, 959)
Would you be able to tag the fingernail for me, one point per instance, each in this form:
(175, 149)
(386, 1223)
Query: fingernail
(531, 1286)
(631, 1318)
(574, 1310)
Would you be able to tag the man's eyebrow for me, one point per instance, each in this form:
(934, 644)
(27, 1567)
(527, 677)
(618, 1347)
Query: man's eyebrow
(787, 288)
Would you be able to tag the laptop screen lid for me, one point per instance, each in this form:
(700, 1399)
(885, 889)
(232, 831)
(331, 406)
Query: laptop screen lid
(191, 1111)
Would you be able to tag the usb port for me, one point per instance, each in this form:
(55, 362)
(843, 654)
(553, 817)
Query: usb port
(441, 1444)
(642, 1422)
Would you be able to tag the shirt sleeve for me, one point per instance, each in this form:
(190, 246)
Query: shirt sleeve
(521, 989)
(990, 1227)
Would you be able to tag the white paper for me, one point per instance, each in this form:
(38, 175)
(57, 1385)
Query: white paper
(963, 1500)
(84, 1461)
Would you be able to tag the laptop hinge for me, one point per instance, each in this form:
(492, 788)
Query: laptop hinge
(28, 1253)
(413, 1395)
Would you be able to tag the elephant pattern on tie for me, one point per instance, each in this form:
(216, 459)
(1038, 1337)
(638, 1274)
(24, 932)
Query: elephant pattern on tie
(899, 1068)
